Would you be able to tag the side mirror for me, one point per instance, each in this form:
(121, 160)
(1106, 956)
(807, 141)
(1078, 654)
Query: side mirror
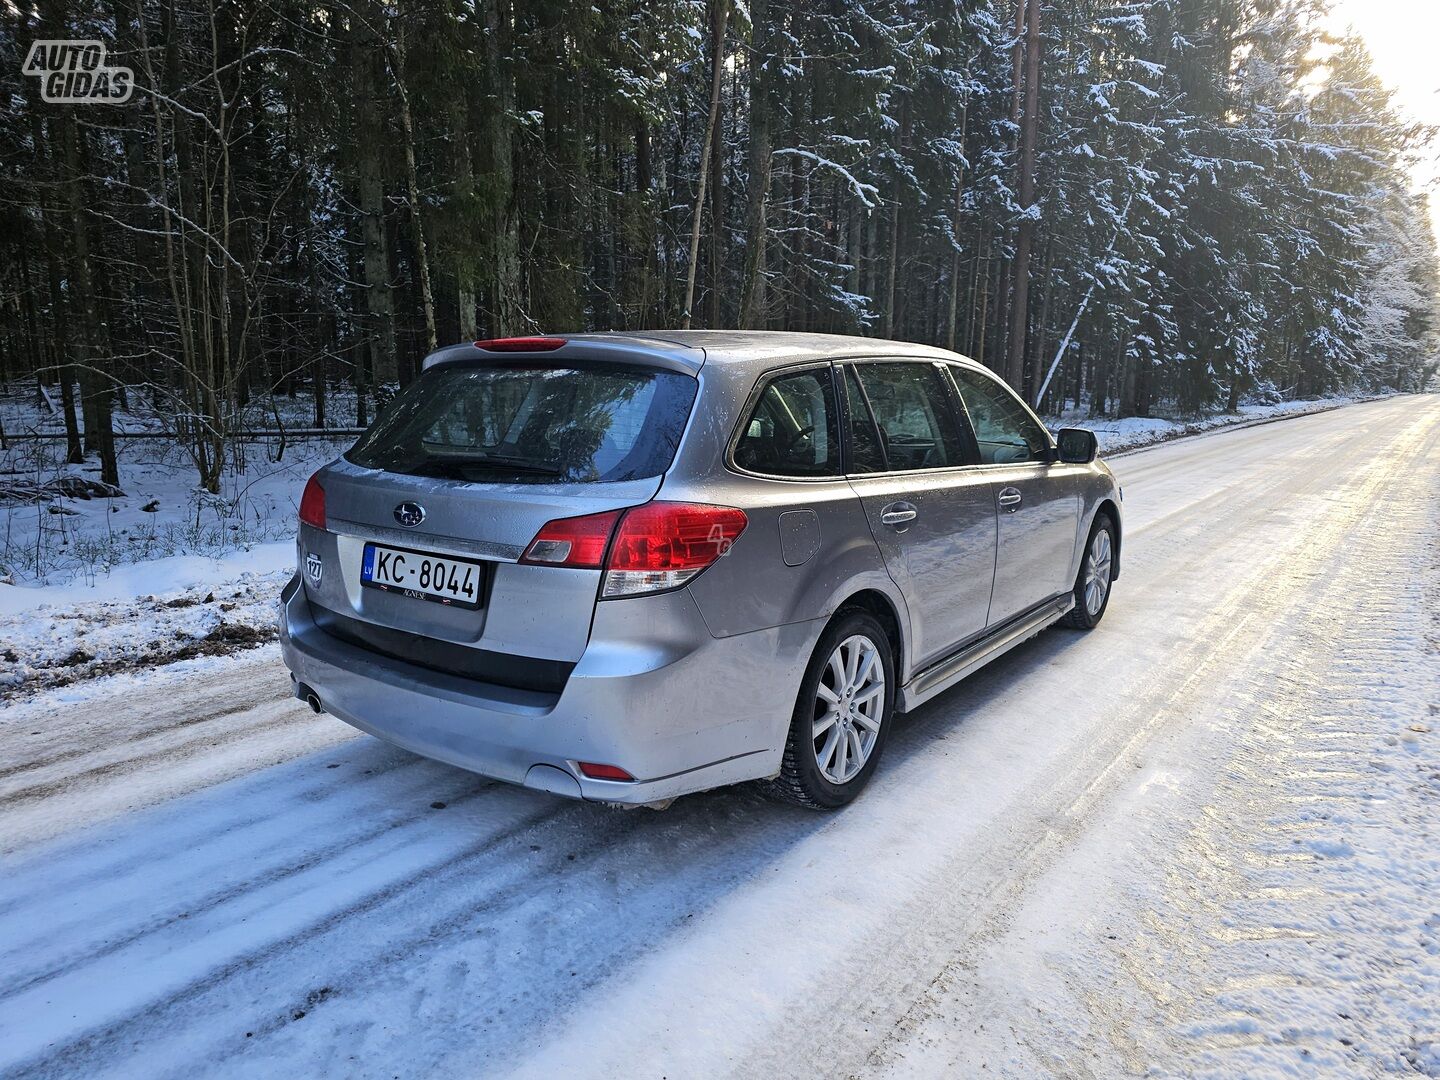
(1077, 446)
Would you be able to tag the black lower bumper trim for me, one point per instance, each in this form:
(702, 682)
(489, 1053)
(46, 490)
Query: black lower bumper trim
(499, 669)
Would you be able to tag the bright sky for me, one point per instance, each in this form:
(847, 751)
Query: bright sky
(1401, 36)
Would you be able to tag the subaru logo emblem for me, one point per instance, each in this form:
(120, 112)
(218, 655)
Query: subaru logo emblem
(409, 514)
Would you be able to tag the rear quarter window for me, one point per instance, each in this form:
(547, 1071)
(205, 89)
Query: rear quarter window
(792, 429)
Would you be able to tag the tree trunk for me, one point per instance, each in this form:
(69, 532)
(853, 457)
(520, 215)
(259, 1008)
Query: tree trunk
(953, 305)
(65, 373)
(1037, 361)
(379, 303)
(719, 16)
(412, 183)
(506, 309)
(464, 246)
(892, 265)
(717, 203)
(983, 319)
(1019, 312)
(757, 194)
(94, 381)
(644, 233)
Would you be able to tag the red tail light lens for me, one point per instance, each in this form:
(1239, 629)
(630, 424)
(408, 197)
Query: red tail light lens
(520, 344)
(603, 772)
(579, 542)
(312, 504)
(663, 545)
(658, 546)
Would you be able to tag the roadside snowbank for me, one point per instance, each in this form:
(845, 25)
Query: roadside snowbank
(1133, 432)
(150, 613)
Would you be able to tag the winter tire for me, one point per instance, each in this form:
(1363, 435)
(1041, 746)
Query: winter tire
(842, 716)
(1092, 583)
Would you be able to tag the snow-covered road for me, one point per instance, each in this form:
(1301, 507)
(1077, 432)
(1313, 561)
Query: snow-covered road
(1203, 839)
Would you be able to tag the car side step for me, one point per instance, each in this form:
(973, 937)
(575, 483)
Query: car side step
(945, 673)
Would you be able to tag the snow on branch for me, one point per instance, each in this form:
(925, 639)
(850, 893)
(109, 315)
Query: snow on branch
(868, 194)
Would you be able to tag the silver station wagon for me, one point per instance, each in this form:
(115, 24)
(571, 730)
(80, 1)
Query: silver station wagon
(625, 568)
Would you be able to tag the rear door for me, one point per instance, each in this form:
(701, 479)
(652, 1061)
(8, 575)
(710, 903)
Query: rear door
(931, 512)
(1036, 497)
(459, 474)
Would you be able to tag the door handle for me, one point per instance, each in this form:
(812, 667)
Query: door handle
(1010, 499)
(898, 514)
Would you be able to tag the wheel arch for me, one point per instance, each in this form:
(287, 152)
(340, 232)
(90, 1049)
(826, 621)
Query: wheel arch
(1109, 508)
(876, 603)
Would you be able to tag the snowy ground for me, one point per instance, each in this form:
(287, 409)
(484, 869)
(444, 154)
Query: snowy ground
(1201, 840)
(164, 572)
(162, 513)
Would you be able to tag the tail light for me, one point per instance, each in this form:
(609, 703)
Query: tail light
(579, 541)
(658, 546)
(520, 344)
(312, 504)
(663, 545)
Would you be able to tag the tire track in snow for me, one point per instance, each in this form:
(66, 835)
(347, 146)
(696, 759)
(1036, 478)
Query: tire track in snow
(260, 872)
(121, 764)
(1333, 1015)
(218, 950)
(244, 704)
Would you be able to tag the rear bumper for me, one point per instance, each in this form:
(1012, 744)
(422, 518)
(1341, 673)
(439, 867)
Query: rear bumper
(654, 693)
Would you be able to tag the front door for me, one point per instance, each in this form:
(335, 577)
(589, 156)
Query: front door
(931, 512)
(1037, 498)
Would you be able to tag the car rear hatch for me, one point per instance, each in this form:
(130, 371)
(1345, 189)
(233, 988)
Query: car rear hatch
(427, 518)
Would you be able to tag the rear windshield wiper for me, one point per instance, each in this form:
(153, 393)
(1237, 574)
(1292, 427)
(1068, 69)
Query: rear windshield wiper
(446, 465)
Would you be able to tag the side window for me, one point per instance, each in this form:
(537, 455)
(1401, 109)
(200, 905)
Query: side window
(915, 415)
(865, 453)
(793, 429)
(1006, 432)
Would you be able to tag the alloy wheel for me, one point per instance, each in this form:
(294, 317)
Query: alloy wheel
(1097, 571)
(849, 708)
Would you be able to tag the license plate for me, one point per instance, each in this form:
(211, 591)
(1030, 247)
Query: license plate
(422, 575)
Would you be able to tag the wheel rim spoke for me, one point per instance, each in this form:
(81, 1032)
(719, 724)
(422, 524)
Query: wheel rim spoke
(862, 671)
(869, 723)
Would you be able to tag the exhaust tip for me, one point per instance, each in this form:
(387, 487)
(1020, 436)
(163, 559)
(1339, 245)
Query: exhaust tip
(305, 694)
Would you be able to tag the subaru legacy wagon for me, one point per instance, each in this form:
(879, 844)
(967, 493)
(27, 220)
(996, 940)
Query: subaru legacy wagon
(625, 568)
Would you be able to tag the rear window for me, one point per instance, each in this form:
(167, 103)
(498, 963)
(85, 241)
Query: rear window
(509, 423)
